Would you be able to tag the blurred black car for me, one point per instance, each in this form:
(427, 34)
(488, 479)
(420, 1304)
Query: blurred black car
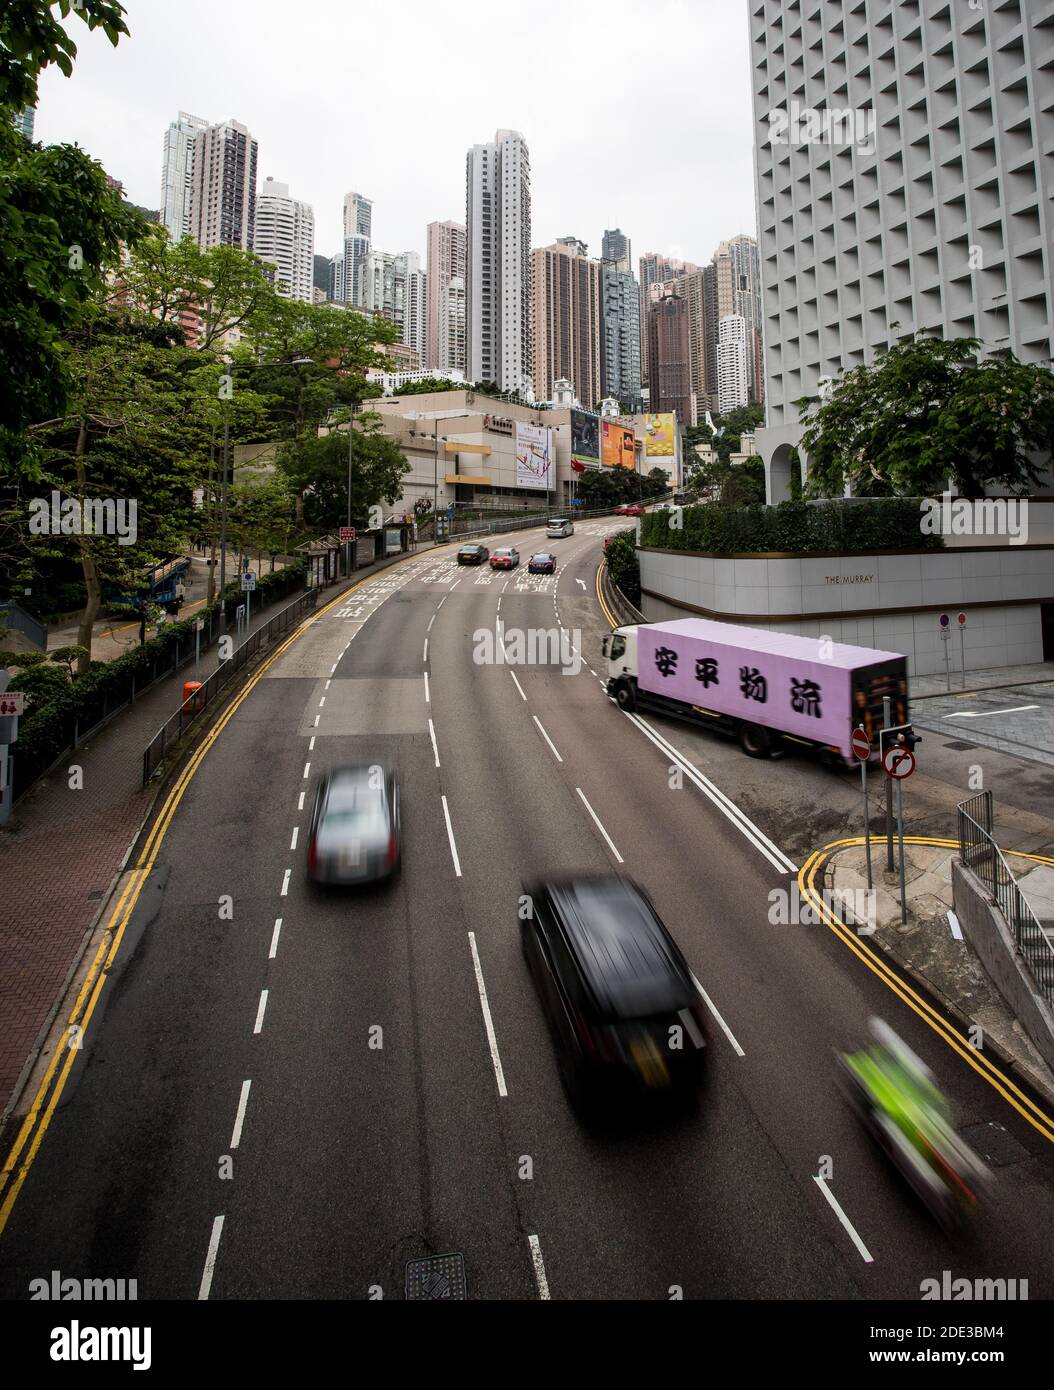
(355, 829)
(542, 563)
(473, 555)
(624, 1013)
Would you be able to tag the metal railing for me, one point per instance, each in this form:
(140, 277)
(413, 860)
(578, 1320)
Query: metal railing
(199, 700)
(983, 857)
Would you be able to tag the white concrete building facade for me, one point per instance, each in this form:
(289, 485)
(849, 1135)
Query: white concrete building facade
(284, 236)
(498, 261)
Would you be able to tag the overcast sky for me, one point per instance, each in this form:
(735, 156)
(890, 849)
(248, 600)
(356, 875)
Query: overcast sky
(636, 112)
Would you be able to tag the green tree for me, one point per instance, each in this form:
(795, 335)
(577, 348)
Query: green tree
(261, 514)
(744, 419)
(623, 565)
(926, 414)
(429, 384)
(316, 467)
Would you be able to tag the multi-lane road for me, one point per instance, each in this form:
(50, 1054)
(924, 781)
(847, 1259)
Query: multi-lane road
(286, 1093)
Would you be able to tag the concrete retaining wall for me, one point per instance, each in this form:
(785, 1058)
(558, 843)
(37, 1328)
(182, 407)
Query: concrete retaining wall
(987, 932)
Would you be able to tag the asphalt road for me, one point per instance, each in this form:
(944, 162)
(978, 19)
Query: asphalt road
(394, 1094)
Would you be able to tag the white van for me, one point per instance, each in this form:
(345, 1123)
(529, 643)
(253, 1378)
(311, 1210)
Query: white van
(556, 528)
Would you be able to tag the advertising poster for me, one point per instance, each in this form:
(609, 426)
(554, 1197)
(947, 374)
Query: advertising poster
(617, 445)
(533, 452)
(659, 436)
(585, 438)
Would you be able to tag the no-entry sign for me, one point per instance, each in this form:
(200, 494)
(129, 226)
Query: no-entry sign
(861, 744)
(898, 762)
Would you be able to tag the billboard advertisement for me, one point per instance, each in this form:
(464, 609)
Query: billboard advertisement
(617, 445)
(659, 436)
(534, 445)
(585, 438)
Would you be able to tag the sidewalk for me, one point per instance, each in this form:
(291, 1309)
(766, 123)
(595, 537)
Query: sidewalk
(926, 687)
(63, 850)
(927, 947)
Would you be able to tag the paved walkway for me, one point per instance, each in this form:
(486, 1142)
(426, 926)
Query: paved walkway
(928, 687)
(63, 849)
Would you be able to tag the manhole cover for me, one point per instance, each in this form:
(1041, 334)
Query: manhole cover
(440, 1276)
(995, 1145)
(960, 747)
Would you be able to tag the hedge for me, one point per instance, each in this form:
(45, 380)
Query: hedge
(886, 523)
(45, 733)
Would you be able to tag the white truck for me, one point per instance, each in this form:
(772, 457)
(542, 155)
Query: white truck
(764, 688)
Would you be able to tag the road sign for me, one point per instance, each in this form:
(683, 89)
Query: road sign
(861, 744)
(347, 533)
(12, 702)
(944, 620)
(945, 635)
(248, 581)
(898, 762)
(962, 619)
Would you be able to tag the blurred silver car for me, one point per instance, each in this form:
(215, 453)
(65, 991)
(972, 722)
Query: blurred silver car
(355, 831)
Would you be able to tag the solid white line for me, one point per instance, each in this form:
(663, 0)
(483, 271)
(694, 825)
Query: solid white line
(327, 685)
(435, 746)
(453, 587)
(322, 702)
(428, 698)
(274, 939)
(548, 740)
(210, 1259)
(332, 668)
(307, 768)
(724, 1026)
(487, 1021)
(443, 600)
(260, 1012)
(726, 805)
(450, 837)
(296, 832)
(430, 622)
(539, 1267)
(311, 745)
(317, 718)
(988, 713)
(239, 1119)
(603, 832)
(300, 803)
(285, 882)
(519, 687)
(425, 657)
(862, 1249)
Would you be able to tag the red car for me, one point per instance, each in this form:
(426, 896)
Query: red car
(505, 558)
(630, 509)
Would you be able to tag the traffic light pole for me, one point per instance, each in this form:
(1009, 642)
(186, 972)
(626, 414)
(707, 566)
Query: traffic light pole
(887, 710)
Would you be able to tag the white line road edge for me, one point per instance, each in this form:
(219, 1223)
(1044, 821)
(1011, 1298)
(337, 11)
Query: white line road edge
(435, 746)
(548, 740)
(724, 804)
(539, 1267)
(519, 687)
(260, 1012)
(862, 1249)
(239, 1119)
(210, 1259)
(488, 1023)
(274, 939)
(596, 821)
(450, 837)
(721, 1022)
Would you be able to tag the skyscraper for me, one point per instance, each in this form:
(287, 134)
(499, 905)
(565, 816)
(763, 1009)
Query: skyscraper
(498, 261)
(615, 247)
(24, 121)
(452, 325)
(284, 236)
(335, 287)
(737, 270)
(411, 290)
(909, 213)
(223, 186)
(651, 269)
(670, 388)
(177, 170)
(358, 230)
(732, 370)
(446, 262)
(566, 320)
(619, 327)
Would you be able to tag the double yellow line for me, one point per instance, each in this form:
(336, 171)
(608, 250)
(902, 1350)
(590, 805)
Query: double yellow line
(973, 1057)
(34, 1127)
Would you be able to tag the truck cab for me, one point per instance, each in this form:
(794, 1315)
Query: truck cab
(619, 649)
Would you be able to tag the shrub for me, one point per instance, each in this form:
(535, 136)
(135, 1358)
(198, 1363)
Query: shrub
(623, 566)
(888, 523)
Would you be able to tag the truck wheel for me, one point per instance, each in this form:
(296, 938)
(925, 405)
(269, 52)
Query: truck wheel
(625, 696)
(755, 741)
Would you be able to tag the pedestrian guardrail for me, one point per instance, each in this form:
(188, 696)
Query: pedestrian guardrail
(199, 700)
(979, 852)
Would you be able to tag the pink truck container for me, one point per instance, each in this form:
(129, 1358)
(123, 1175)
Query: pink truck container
(804, 689)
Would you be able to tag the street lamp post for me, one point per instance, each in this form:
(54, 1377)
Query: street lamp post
(223, 520)
(351, 436)
(435, 485)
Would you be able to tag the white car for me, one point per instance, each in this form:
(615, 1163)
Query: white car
(558, 527)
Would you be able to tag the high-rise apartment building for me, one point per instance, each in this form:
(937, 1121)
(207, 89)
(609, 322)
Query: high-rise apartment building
(411, 291)
(619, 330)
(284, 236)
(223, 186)
(615, 247)
(670, 387)
(25, 120)
(737, 269)
(732, 371)
(177, 172)
(446, 262)
(905, 175)
(358, 229)
(566, 320)
(652, 268)
(335, 287)
(451, 345)
(498, 262)
(377, 285)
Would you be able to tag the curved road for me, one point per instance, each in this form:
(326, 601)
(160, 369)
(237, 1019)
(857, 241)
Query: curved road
(355, 1081)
